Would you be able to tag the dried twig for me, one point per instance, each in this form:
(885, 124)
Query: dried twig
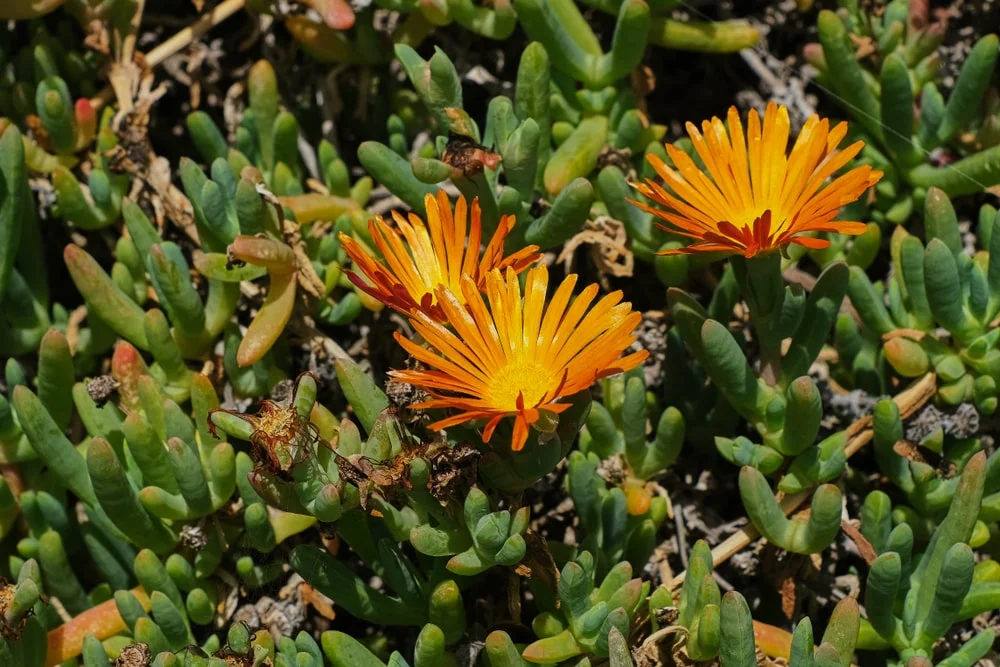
(608, 249)
(180, 40)
(860, 541)
(681, 541)
(321, 341)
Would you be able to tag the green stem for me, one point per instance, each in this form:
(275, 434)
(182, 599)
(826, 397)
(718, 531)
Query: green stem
(762, 286)
(770, 363)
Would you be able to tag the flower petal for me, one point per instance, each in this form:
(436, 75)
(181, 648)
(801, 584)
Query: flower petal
(754, 195)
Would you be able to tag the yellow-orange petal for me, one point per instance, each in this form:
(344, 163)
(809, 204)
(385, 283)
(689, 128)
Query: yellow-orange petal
(754, 194)
(520, 354)
(418, 257)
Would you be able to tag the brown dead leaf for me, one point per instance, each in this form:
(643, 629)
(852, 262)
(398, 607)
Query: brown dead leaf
(784, 569)
(97, 38)
(864, 46)
(865, 547)
(313, 598)
(306, 274)
(609, 252)
(152, 182)
(331, 542)
(788, 596)
(38, 131)
(371, 476)
(643, 81)
(453, 470)
(514, 596)
(124, 78)
(232, 108)
(176, 206)
(538, 563)
(678, 651)
(76, 318)
(661, 560)
(317, 186)
(908, 450)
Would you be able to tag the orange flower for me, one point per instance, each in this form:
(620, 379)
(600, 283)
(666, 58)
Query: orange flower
(752, 197)
(522, 355)
(435, 255)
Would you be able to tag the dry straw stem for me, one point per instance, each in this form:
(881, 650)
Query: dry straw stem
(860, 434)
(164, 50)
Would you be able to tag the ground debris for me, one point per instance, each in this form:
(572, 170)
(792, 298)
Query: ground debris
(609, 252)
(962, 422)
(282, 617)
(453, 471)
(101, 388)
(134, 655)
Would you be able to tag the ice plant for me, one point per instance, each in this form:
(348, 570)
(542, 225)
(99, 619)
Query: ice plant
(753, 197)
(519, 357)
(436, 254)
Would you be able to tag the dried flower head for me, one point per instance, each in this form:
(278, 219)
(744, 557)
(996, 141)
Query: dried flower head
(438, 254)
(519, 357)
(751, 197)
(11, 629)
(282, 434)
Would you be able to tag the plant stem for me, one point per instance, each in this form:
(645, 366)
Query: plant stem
(763, 287)
(770, 363)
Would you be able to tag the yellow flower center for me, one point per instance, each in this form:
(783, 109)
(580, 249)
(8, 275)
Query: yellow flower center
(526, 377)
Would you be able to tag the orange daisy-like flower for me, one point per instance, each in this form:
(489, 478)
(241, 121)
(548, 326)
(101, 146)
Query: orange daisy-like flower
(752, 197)
(434, 255)
(519, 357)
